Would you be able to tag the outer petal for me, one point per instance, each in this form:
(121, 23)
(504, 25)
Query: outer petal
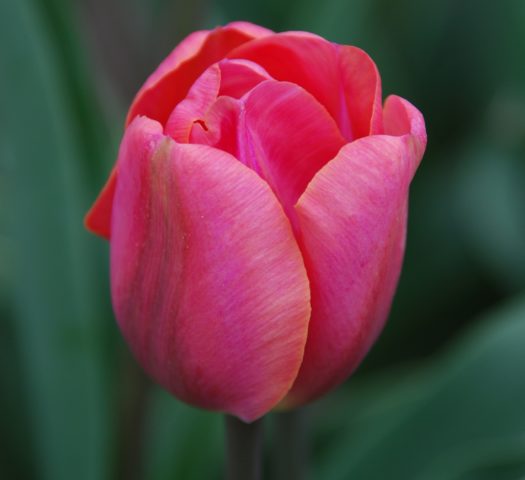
(192, 44)
(169, 84)
(344, 79)
(166, 87)
(208, 283)
(98, 218)
(185, 50)
(401, 117)
(353, 223)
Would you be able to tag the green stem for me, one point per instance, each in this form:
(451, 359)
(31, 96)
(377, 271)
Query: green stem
(291, 446)
(244, 449)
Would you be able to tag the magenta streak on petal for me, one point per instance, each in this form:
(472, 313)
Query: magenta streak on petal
(344, 116)
(247, 152)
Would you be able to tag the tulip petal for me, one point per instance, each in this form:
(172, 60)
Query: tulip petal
(220, 126)
(402, 118)
(342, 78)
(362, 91)
(200, 98)
(208, 283)
(231, 78)
(352, 218)
(190, 46)
(286, 136)
(185, 50)
(166, 87)
(283, 133)
(170, 83)
(98, 218)
(239, 76)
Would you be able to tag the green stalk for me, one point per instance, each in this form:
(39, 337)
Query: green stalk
(244, 449)
(290, 445)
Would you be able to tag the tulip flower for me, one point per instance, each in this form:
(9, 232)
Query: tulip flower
(257, 217)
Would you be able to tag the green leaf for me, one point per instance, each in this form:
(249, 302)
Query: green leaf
(56, 315)
(492, 458)
(469, 399)
(489, 192)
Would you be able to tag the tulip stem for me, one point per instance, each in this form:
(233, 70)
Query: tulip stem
(291, 446)
(244, 449)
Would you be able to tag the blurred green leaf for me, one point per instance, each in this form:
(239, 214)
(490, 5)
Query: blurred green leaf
(56, 314)
(473, 394)
(488, 459)
(64, 387)
(489, 192)
(90, 128)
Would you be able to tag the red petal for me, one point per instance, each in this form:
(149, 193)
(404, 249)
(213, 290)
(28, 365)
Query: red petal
(166, 87)
(208, 283)
(220, 126)
(239, 76)
(343, 79)
(170, 83)
(362, 91)
(228, 77)
(98, 218)
(402, 118)
(353, 223)
(200, 98)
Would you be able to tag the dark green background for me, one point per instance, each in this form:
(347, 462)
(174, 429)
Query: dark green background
(442, 394)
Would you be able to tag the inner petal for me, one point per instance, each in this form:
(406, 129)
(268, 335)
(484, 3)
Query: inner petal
(240, 76)
(200, 97)
(344, 79)
(231, 78)
(279, 130)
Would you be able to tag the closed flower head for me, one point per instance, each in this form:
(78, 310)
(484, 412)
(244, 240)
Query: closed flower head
(257, 216)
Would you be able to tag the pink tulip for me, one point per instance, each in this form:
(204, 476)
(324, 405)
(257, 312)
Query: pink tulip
(257, 217)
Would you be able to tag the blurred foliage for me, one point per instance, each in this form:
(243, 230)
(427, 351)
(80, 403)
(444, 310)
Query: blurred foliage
(440, 397)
